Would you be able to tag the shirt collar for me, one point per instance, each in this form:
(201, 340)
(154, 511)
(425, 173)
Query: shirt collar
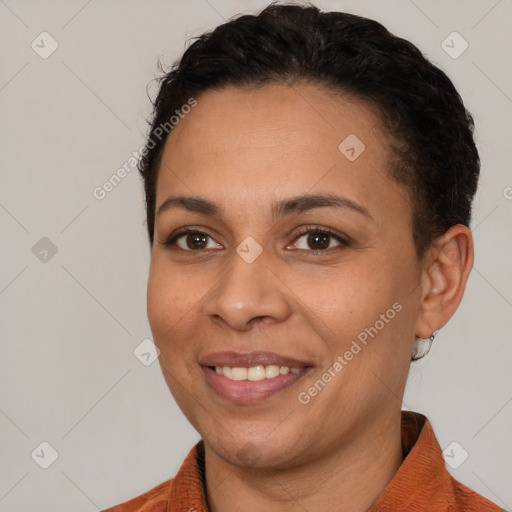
(422, 473)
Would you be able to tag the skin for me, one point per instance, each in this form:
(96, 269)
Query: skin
(244, 150)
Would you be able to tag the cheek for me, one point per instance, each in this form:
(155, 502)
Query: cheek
(161, 297)
(172, 321)
(175, 310)
(170, 300)
(360, 302)
(171, 291)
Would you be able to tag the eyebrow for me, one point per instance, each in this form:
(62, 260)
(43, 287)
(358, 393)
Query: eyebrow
(282, 208)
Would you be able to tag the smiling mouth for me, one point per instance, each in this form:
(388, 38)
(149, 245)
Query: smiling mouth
(251, 377)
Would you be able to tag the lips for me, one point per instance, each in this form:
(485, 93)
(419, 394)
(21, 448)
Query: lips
(229, 374)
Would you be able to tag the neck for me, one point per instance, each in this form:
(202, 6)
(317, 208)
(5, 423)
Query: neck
(347, 478)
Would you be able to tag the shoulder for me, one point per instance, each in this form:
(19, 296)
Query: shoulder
(186, 488)
(423, 482)
(467, 500)
(154, 500)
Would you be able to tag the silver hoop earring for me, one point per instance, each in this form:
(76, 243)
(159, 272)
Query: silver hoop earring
(419, 350)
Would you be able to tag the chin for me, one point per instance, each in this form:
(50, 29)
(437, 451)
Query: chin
(255, 451)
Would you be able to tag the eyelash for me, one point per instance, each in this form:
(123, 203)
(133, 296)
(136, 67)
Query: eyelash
(344, 242)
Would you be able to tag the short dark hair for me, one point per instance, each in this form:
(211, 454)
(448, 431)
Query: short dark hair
(430, 132)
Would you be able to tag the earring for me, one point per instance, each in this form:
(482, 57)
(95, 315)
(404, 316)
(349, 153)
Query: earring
(419, 351)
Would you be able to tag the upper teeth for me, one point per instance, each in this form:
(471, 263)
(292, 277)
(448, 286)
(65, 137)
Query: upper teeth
(254, 372)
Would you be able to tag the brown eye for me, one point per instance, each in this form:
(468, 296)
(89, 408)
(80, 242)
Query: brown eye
(316, 240)
(191, 241)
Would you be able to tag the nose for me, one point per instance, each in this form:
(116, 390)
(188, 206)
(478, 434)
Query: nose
(249, 293)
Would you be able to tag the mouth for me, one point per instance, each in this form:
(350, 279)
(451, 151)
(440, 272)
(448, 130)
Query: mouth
(251, 377)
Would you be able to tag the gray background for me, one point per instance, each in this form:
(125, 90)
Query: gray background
(70, 323)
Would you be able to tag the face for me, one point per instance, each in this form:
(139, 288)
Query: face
(284, 284)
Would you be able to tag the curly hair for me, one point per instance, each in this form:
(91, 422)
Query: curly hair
(430, 132)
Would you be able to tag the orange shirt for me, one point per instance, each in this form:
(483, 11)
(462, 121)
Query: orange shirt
(421, 484)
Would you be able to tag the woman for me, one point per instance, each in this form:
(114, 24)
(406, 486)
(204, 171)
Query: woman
(308, 179)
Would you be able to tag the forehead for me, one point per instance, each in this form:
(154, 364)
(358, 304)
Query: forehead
(275, 116)
(252, 145)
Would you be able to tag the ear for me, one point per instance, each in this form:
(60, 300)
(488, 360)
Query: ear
(446, 268)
